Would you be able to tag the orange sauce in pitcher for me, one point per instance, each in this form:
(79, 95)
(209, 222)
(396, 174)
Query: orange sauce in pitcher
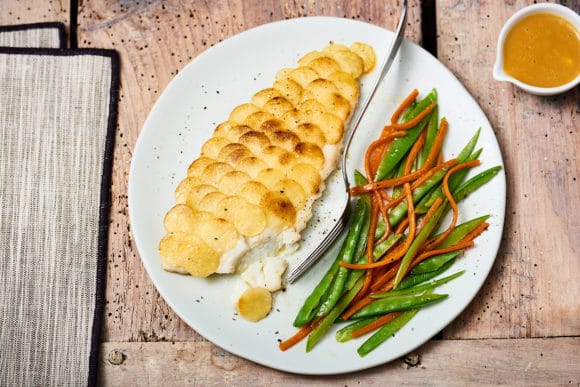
(542, 50)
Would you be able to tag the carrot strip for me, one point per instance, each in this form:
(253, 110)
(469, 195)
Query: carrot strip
(437, 143)
(358, 305)
(376, 324)
(372, 160)
(431, 253)
(452, 203)
(405, 104)
(297, 337)
(434, 207)
(415, 121)
(476, 232)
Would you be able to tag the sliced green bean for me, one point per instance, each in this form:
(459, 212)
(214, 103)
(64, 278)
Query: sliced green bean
(417, 289)
(360, 218)
(417, 244)
(345, 334)
(331, 317)
(416, 279)
(386, 331)
(397, 304)
(475, 182)
(434, 263)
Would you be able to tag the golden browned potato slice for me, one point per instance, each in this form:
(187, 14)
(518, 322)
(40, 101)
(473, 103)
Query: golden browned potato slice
(232, 182)
(302, 75)
(255, 141)
(198, 165)
(255, 304)
(280, 210)
(211, 201)
(290, 89)
(219, 234)
(196, 193)
(240, 112)
(307, 176)
(187, 253)
(347, 86)
(249, 219)
(310, 153)
(181, 218)
(252, 166)
(326, 92)
(366, 53)
(277, 157)
(264, 95)
(212, 147)
(314, 112)
(270, 176)
(293, 191)
(324, 65)
(233, 153)
(253, 191)
(283, 138)
(256, 119)
(349, 61)
(214, 172)
(278, 106)
(230, 130)
(184, 187)
(310, 132)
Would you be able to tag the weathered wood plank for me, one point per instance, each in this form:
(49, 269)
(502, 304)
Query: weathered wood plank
(155, 40)
(34, 11)
(448, 362)
(533, 288)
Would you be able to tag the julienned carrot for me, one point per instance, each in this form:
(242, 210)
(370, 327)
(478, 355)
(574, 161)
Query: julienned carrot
(361, 189)
(415, 121)
(303, 332)
(451, 201)
(404, 105)
(376, 324)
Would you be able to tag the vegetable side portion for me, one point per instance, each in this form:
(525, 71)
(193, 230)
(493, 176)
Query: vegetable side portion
(396, 250)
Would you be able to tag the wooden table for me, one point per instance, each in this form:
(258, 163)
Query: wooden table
(524, 325)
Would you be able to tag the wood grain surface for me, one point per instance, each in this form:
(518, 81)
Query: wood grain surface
(523, 326)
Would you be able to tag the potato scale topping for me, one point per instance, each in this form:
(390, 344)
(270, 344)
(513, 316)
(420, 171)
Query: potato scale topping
(257, 177)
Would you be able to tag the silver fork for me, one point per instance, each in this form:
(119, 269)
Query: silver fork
(342, 219)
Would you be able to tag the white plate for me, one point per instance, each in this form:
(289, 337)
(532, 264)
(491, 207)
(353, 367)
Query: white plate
(203, 94)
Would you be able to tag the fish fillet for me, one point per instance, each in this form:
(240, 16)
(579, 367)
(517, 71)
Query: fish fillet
(250, 192)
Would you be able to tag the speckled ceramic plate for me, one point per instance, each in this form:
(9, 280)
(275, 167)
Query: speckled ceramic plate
(203, 94)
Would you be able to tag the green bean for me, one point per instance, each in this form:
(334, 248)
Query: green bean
(434, 263)
(386, 331)
(400, 146)
(378, 252)
(475, 182)
(461, 231)
(417, 243)
(396, 304)
(346, 255)
(415, 279)
(417, 289)
(345, 334)
(327, 321)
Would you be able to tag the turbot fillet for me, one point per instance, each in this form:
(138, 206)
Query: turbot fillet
(249, 194)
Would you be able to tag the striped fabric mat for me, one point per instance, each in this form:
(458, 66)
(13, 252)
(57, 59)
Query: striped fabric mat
(58, 111)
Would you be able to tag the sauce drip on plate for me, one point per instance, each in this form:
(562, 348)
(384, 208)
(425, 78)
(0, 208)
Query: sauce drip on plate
(543, 50)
